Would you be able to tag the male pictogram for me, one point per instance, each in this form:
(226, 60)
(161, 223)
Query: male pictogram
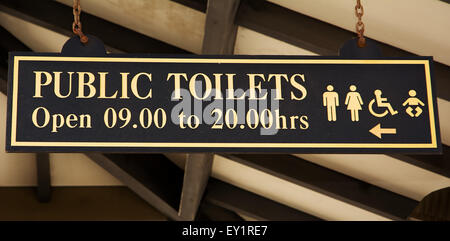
(353, 102)
(331, 100)
(381, 102)
(413, 101)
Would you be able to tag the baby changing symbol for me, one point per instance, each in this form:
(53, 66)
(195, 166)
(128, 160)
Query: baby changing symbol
(412, 102)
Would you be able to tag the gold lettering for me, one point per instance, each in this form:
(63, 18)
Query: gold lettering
(82, 84)
(85, 118)
(124, 86)
(102, 94)
(134, 87)
(196, 122)
(278, 84)
(46, 117)
(57, 122)
(69, 119)
(280, 118)
(177, 79)
(218, 78)
(253, 86)
(304, 122)
(298, 86)
(181, 118)
(57, 86)
(39, 84)
(293, 118)
(208, 86)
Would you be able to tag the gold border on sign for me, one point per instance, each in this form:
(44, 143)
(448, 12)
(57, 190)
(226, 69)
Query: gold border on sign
(14, 142)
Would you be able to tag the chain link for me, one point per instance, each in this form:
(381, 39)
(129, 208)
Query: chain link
(359, 11)
(76, 26)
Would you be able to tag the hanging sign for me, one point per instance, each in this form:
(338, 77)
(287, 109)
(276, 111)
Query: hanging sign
(143, 103)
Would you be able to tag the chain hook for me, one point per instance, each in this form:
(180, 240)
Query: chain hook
(76, 26)
(359, 11)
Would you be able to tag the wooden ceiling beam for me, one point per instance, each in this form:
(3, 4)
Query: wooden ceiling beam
(59, 17)
(251, 205)
(330, 183)
(311, 34)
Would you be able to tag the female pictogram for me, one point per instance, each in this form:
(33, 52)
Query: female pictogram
(353, 102)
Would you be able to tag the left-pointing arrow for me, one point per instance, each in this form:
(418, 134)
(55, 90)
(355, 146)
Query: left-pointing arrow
(378, 131)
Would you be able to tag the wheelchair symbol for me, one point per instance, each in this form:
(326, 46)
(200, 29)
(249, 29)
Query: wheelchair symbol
(381, 102)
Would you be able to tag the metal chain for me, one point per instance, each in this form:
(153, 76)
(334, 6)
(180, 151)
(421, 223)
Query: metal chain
(359, 11)
(76, 26)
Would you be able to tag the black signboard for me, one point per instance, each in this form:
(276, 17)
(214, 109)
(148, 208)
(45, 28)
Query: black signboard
(148, 103)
